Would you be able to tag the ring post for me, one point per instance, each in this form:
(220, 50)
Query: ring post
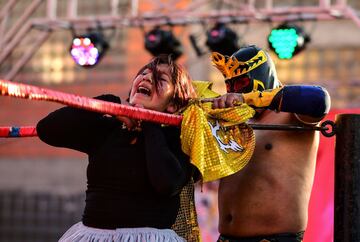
(347, 179)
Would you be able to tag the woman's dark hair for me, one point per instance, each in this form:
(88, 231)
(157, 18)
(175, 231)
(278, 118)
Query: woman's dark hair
(183, 88)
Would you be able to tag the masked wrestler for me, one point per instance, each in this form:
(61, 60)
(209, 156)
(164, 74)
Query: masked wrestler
(268, 199)
(136, 172)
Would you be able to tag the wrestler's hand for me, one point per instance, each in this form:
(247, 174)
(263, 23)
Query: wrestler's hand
(225, 101)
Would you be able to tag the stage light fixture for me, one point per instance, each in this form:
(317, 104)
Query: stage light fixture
(222, 39)
(87, 50)
(287, 40)
(159, 41)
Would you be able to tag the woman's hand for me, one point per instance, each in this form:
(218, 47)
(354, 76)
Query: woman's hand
(129, 123)
(225, 101)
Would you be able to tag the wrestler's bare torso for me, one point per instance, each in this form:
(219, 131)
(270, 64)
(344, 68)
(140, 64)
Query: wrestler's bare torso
(271, 194)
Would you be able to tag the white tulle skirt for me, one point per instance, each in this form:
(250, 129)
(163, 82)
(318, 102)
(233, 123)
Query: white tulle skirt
(81, 233)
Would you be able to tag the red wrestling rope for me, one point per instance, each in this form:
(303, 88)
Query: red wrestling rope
(19, 90)
(11, 132)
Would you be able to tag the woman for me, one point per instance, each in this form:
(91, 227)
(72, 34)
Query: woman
(136, 170)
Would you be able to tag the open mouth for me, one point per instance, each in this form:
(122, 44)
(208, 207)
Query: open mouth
(144, 90)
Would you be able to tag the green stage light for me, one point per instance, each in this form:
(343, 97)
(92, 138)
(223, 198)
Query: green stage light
(287, 40)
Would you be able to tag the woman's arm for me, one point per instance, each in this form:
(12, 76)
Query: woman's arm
(169, 168)
(76, 128)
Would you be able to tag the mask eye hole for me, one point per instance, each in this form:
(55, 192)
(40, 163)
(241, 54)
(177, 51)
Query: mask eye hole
(237, 84)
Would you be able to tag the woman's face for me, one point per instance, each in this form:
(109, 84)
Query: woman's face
(143, 91)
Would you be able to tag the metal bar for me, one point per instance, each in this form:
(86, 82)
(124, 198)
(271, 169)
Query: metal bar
(160, 6)
(72, 8)
(283, 127)
(347, 178)
(134, 8)
(350, 13)
(324, 3)
(251, 5)
(194, 5)
(183, 17)
(327, 128)
(28, 54)
(2, 31)
(225, 16)
(341, 3)
(22, 19)
(169, 5)
(232, 4)
(293, 10)
(286, 127)
(269, 4)
(7, 8)
(17, 38)
(114, 7)
(51, 9)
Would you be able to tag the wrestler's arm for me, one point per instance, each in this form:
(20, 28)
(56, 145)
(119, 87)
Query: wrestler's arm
(310, 102)
(168, 167)
(75, 128)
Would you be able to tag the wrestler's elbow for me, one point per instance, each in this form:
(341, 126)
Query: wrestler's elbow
(306, 119)
(312, 101)
(321, 104)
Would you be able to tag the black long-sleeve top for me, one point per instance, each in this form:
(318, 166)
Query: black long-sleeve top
(128, 185)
